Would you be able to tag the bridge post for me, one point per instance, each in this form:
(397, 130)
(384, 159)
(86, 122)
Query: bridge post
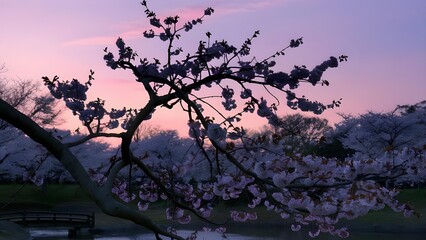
(24, 219)
(92, 220)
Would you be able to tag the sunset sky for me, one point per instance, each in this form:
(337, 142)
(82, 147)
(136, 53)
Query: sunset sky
(384, 39)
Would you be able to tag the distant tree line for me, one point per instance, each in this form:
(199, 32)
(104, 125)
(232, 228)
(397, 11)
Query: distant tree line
(367, 135)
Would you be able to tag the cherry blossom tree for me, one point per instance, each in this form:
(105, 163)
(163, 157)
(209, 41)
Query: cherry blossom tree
(296, 133)
(146, 131)
(406, 109)
(373, 134)
(25, 96)
(309, 190)
(24, 160)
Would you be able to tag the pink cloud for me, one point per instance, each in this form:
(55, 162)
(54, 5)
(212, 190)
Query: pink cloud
(105, 40)
(134, 29)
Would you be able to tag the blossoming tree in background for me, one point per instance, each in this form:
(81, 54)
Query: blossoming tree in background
(296, 134)
(23, 160)
(309, 190)
(15, 147)
(372, 134)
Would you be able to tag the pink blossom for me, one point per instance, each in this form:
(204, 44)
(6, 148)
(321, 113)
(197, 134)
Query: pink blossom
(314, 234)
(221, 230)
(143, 206)
(296, 227)
(184, 219)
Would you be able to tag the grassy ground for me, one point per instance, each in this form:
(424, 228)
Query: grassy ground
(386, 219)
(15, 195)
(60, 197)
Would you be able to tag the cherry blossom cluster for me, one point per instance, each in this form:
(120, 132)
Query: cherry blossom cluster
(310, 190)
(201, 69)
(74, 95)
(212, 64)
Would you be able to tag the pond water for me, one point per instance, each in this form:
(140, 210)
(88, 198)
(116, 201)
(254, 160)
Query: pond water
(252, 233)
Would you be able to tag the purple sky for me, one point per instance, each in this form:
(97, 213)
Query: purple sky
(384, 39)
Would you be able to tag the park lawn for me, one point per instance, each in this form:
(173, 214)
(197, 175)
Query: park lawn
(45, 197)
(30, 196)
(416, 198)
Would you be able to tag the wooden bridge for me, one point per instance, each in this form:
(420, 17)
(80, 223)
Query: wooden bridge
(42, 219)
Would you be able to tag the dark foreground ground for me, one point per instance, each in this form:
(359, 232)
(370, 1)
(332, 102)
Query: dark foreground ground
(70, 198)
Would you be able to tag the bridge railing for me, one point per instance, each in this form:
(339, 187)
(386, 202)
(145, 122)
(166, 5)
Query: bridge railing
(55, 218)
